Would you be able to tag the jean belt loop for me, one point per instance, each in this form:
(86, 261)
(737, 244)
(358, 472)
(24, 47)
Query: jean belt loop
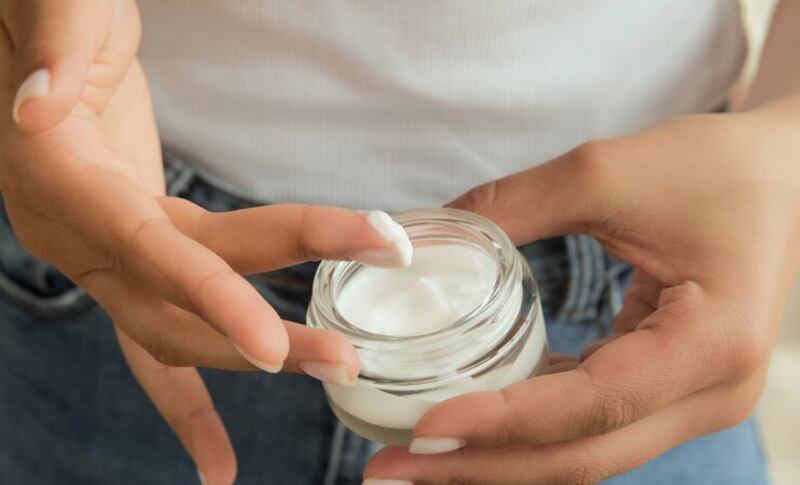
(587, 267)
(178, 174)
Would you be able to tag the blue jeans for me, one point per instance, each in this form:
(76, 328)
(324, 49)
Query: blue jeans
(71, 413)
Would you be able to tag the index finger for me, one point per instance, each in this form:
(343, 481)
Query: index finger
(153, 253)
(269, 237)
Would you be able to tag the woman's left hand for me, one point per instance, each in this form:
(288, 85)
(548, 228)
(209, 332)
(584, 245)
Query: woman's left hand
(707, 209)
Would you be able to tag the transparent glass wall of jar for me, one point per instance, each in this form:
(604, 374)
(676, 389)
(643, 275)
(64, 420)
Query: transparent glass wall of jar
(500, 341)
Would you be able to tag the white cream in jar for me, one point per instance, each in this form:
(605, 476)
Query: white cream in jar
(442, 284)
(464, 316)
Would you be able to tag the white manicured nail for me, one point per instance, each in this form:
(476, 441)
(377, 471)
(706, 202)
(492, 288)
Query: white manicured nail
(271, 368)
(37, 85)
(399, 251)
(327, 372)
(433, 446)
(383, 481)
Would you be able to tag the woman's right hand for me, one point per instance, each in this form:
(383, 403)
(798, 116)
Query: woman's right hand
(81, 176)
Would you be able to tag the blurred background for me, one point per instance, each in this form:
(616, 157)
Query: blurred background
(780, 418)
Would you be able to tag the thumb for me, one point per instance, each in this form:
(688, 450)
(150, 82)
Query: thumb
(573, 193)
(55, 43)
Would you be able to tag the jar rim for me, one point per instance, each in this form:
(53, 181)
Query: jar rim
(486, 236)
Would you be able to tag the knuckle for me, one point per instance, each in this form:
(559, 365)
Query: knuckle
(735, 414)
(750, 350)
(611, 408)
(90, 279)
(593, 165)
(335, 339)
(582, 472)
(133, 238)
(194, 295)
(480, 199)
(188, 217)
(593, 159)
(593, 168)
(618, 411)
(161, 351)
(509, 429)
(742, 404)
(307, 246)
(200, 413)
(137, 233)
(207, 281)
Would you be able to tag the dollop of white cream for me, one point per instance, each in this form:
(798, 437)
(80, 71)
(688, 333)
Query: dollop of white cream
(442, 284)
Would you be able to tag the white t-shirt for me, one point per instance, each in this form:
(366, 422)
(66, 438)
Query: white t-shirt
(401, 104)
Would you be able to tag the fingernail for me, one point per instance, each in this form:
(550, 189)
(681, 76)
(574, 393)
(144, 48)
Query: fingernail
(384, 481)
(327, 372)
(271, 368)
(398, 252)
(37, 85)
(202, 480)
(432, 446)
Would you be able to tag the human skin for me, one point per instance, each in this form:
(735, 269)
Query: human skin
(606, 188)
(707, 210)
(82, 180)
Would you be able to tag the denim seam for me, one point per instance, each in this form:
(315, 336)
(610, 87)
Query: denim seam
(587, 279)
(574, 274)
(599, 280)
(335, 457)
(616, 293)
(181, 182)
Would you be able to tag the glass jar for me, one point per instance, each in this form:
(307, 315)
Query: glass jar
(497, 343)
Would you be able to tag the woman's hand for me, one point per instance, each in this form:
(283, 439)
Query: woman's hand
(707, 208)
(82, 180)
